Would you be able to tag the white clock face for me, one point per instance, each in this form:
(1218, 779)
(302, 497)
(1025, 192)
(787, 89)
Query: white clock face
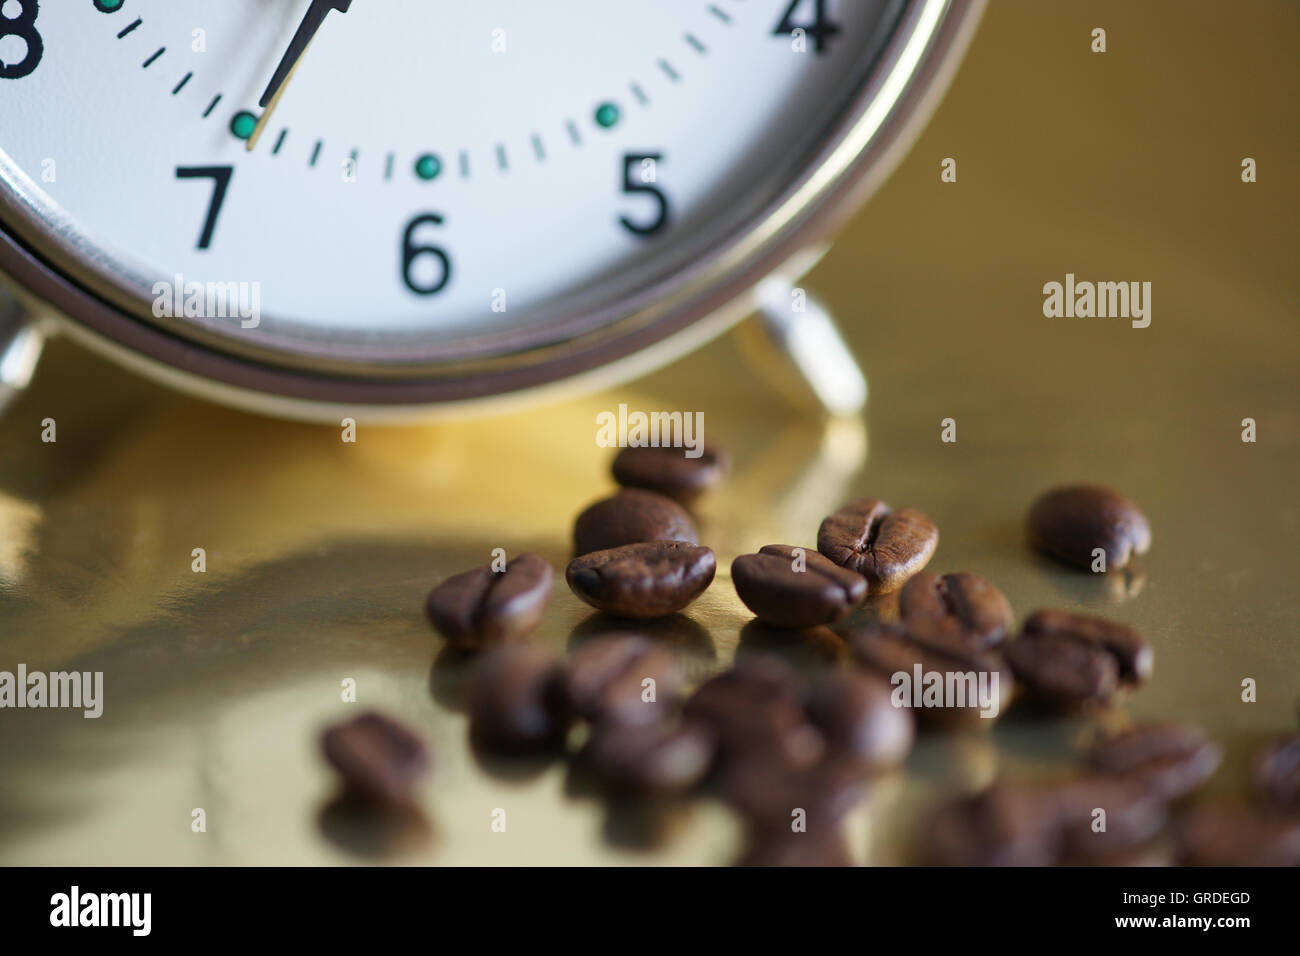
(433, 171)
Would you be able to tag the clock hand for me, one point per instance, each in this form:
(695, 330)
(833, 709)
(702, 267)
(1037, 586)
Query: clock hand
(306, 32)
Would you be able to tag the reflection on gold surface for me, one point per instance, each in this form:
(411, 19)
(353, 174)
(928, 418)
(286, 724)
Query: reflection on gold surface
(362, 830)
(805, 650)
(320, 553)
(318, 556)
(18, 521)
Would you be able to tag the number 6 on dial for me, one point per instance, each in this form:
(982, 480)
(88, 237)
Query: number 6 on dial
(411, 253)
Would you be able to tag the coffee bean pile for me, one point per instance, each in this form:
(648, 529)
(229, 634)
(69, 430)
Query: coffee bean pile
(792, 753)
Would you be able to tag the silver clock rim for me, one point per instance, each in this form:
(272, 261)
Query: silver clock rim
(889, 112)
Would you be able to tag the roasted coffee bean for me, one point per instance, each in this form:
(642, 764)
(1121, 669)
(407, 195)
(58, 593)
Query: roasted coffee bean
(905, 657)
(1134, 814)
(1275, 773)
(669, 472)
(765, 742)
(642, 580)
(860, 723)
(795, 587)
(517, 701)
(887, 547)
(631, 517)
(1071, 522)
(379, 759)
(483, 607)
(605, 680)
(1135, 656)
(1221, 836)
(1064, 674)
(771, 800)
(1003, 825)
(770, 796)
(649, 760)
(1044, 824)
(1171, 759)
(965, 602)
(755, 709)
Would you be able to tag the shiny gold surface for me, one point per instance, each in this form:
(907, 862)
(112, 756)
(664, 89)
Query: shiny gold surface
(1115, 166)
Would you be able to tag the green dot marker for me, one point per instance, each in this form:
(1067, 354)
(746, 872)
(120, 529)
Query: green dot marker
(428, 166)
(108, 6)
(607, 115)
(242, 124)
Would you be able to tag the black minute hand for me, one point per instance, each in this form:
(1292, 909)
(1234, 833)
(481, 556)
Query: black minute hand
(316, 15)
(302, 38)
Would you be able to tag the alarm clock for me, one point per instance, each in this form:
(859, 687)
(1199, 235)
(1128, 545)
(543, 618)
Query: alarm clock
(396, 208)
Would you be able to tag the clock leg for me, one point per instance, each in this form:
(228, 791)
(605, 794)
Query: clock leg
(794, 339)
(20, 348)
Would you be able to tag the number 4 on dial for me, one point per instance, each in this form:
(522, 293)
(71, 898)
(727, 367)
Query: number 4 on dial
(821, 29)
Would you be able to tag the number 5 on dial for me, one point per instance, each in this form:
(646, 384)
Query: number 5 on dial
(640, 175)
